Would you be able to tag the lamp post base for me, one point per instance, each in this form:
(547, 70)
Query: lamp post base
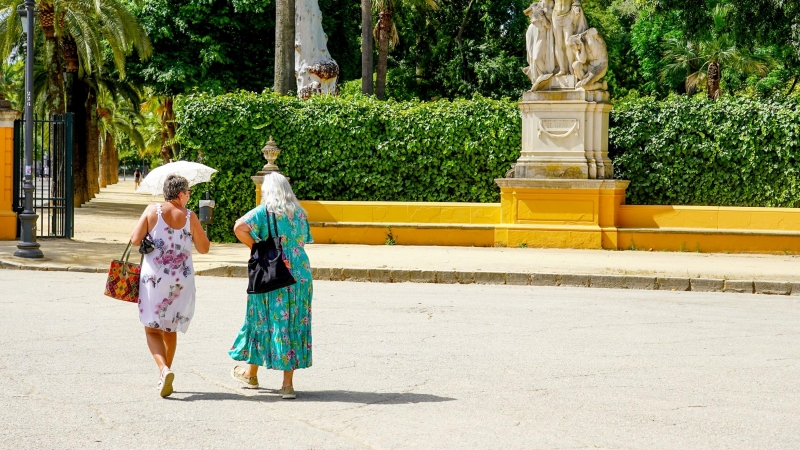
(28, 250)
(28, 247)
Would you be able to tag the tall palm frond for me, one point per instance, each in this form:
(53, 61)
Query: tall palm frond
(97, 25)
(10, 29)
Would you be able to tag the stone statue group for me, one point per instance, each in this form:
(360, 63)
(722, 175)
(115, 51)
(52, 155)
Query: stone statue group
(560, 43)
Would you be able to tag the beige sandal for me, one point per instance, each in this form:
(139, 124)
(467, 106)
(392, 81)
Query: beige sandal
(238, 373)
(287, 393)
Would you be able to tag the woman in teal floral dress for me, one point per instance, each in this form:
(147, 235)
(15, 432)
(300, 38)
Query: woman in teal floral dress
(277, 327)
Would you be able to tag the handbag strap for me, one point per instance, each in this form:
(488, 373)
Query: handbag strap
(270, 223)
(126, 255)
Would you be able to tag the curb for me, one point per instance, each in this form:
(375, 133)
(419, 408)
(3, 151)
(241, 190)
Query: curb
(648, 283)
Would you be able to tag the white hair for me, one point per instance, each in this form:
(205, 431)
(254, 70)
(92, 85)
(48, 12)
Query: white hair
(277, 195)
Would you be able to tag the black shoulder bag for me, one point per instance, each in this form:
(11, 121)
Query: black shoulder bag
(266, 270)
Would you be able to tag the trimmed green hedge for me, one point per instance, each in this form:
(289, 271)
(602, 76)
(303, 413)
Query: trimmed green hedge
(352, 148)
(681, 151)
(692, 151)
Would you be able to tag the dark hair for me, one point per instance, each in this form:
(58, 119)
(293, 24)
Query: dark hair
(173, 186)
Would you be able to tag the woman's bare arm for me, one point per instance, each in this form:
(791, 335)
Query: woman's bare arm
(142, 227)
(199, 238)
(242, 231)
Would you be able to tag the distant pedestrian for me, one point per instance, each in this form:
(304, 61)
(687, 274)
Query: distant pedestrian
(277, 325)
(137, 179)
(166, 284)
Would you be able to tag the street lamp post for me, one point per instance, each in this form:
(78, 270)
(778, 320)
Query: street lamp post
(28, 247)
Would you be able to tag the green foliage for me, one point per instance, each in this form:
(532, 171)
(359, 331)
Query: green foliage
(214, 45)
(225, 45)
(478, 46)
(353, 148)
(692, 151)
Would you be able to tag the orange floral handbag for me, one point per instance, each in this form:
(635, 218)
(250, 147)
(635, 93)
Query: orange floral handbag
(123, 278)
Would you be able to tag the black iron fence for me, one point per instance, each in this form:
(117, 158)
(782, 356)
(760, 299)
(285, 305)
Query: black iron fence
(52, 174)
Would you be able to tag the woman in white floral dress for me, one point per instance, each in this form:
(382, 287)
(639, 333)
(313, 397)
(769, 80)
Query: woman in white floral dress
(166, 285)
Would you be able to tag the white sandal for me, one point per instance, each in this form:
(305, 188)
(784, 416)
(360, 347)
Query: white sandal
(165, 387)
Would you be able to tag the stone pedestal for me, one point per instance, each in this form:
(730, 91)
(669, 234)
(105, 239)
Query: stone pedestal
(8, 218)
(564, 133)
(559, 213)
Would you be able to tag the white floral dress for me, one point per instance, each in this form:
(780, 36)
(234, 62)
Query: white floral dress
(166, 284)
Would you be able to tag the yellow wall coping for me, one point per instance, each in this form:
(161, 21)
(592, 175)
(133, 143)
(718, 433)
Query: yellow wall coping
(403, 212)
(708, 217)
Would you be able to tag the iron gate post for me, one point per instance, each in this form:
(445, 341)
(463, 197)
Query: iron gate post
(28, 247)
(69, 221)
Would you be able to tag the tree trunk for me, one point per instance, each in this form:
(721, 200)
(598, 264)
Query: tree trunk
(167, 130)
(384, 28)
(92, 145)
(103, 165)
(714, 76)
(55, 85)
(114, 167)
(107, 160)
(77, 92)
(284, 47)
(366, 47)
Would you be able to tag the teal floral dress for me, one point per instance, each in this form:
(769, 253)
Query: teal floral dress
(277, 328)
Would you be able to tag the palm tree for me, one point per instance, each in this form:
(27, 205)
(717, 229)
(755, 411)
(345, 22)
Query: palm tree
(385, 32)
(160, 137)
(84, 39)
(366, 47)
(117, 118)
(89, 30)
(152, 127)
(702, 62)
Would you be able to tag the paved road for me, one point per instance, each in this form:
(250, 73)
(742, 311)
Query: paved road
(409, 366)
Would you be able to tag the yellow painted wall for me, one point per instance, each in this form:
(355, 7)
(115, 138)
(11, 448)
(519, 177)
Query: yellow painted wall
(410, 223)
(558, 218)
(8, 218)
(551, 224)
(403, 212)
(709, 217)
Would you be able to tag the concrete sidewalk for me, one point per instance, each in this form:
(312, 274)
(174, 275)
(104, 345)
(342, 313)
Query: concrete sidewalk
(103, 227)
(768, 274)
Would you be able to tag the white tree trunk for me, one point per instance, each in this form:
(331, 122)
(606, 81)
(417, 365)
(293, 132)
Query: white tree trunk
(315, 70)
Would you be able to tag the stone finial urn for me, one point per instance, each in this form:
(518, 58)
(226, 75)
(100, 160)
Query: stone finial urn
(270, 152)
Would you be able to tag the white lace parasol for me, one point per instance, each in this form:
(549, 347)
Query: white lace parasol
(196, 173)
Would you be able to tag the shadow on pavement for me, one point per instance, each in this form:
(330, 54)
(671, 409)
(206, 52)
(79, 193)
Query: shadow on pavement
(271, 395)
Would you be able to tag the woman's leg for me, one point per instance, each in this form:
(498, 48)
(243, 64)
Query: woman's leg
(287, 377)
(155, 342)
(251, 370)
(170, 342)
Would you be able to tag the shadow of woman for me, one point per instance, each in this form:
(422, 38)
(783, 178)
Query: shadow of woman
(337, 396)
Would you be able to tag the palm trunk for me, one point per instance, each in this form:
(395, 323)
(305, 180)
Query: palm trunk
(114, 167)
(92, 145)
(167, 130)
(77, 92)
(366, 47)
(714, 76)
(284, 47)
(384, 28)
(107, 160)
(55, 85)
(103, 165)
